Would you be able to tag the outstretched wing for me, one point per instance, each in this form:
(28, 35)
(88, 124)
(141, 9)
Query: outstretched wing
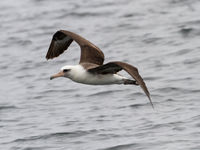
(111, 67)
(61, 41)
(114, 67)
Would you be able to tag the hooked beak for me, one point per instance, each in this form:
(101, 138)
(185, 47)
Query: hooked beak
(60, 74)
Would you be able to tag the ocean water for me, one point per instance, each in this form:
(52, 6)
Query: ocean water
(160, 38)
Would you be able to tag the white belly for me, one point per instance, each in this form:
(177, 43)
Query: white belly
(100, 79)
(80, 75)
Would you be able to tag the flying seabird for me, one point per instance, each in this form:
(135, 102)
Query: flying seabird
(91, 69)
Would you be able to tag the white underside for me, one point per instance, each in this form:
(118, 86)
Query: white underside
(80, 75)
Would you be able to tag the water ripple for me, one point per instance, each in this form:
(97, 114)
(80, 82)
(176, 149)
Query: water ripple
(122, 146)
(7, 107)
(55, 135)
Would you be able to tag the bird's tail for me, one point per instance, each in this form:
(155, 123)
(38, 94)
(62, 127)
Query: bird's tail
(128, 81)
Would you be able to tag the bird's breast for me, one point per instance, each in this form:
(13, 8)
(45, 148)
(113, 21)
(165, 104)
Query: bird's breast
(98, 79)
(80, 75)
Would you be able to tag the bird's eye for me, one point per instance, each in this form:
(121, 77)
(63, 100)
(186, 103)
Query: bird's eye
(66, 70)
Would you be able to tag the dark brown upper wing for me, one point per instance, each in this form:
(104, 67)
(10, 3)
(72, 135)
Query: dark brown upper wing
(114, 67)
(110, 67)
(61, 41)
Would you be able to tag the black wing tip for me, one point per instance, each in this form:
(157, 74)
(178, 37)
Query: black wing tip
(151, 102)
(48, 57)
(152, 106)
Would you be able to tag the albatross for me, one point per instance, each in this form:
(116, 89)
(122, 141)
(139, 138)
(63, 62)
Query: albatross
(91, 69)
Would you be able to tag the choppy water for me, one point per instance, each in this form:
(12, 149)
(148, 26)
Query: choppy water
(160, 37)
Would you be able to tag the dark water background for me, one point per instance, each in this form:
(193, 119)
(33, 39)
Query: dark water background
(160, 37)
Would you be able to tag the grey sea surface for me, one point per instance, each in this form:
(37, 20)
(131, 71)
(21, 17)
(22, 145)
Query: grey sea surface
(160, 37)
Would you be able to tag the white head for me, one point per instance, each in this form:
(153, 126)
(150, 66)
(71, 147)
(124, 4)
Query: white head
(64, 72)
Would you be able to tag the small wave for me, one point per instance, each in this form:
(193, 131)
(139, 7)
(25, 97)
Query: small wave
(152, 40)
(34, 148)
(4, 67)
(84, 14)
(186, 31)
(54, 135)
(170, 100)
(176, 89)
(152, 78)
(189, 31)
(104, 92)
(192, 61)
(24, 76)
(38, 97)
(55, 91)
(17, 41)
(130, 15)
(181, 52)
(136, 94)
(171, 89)
(122, 146)
(137, 105)
(7, 107)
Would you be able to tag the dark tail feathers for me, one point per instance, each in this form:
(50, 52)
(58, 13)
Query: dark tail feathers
(128, 81)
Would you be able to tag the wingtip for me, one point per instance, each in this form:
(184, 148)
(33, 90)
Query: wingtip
(151, 102)
(152, 106)
(47, 57)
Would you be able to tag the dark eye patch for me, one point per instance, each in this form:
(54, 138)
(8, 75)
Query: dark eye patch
(66, 70)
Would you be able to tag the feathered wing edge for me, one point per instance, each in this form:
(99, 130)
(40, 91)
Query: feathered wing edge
(61, 41)
(114, 67)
